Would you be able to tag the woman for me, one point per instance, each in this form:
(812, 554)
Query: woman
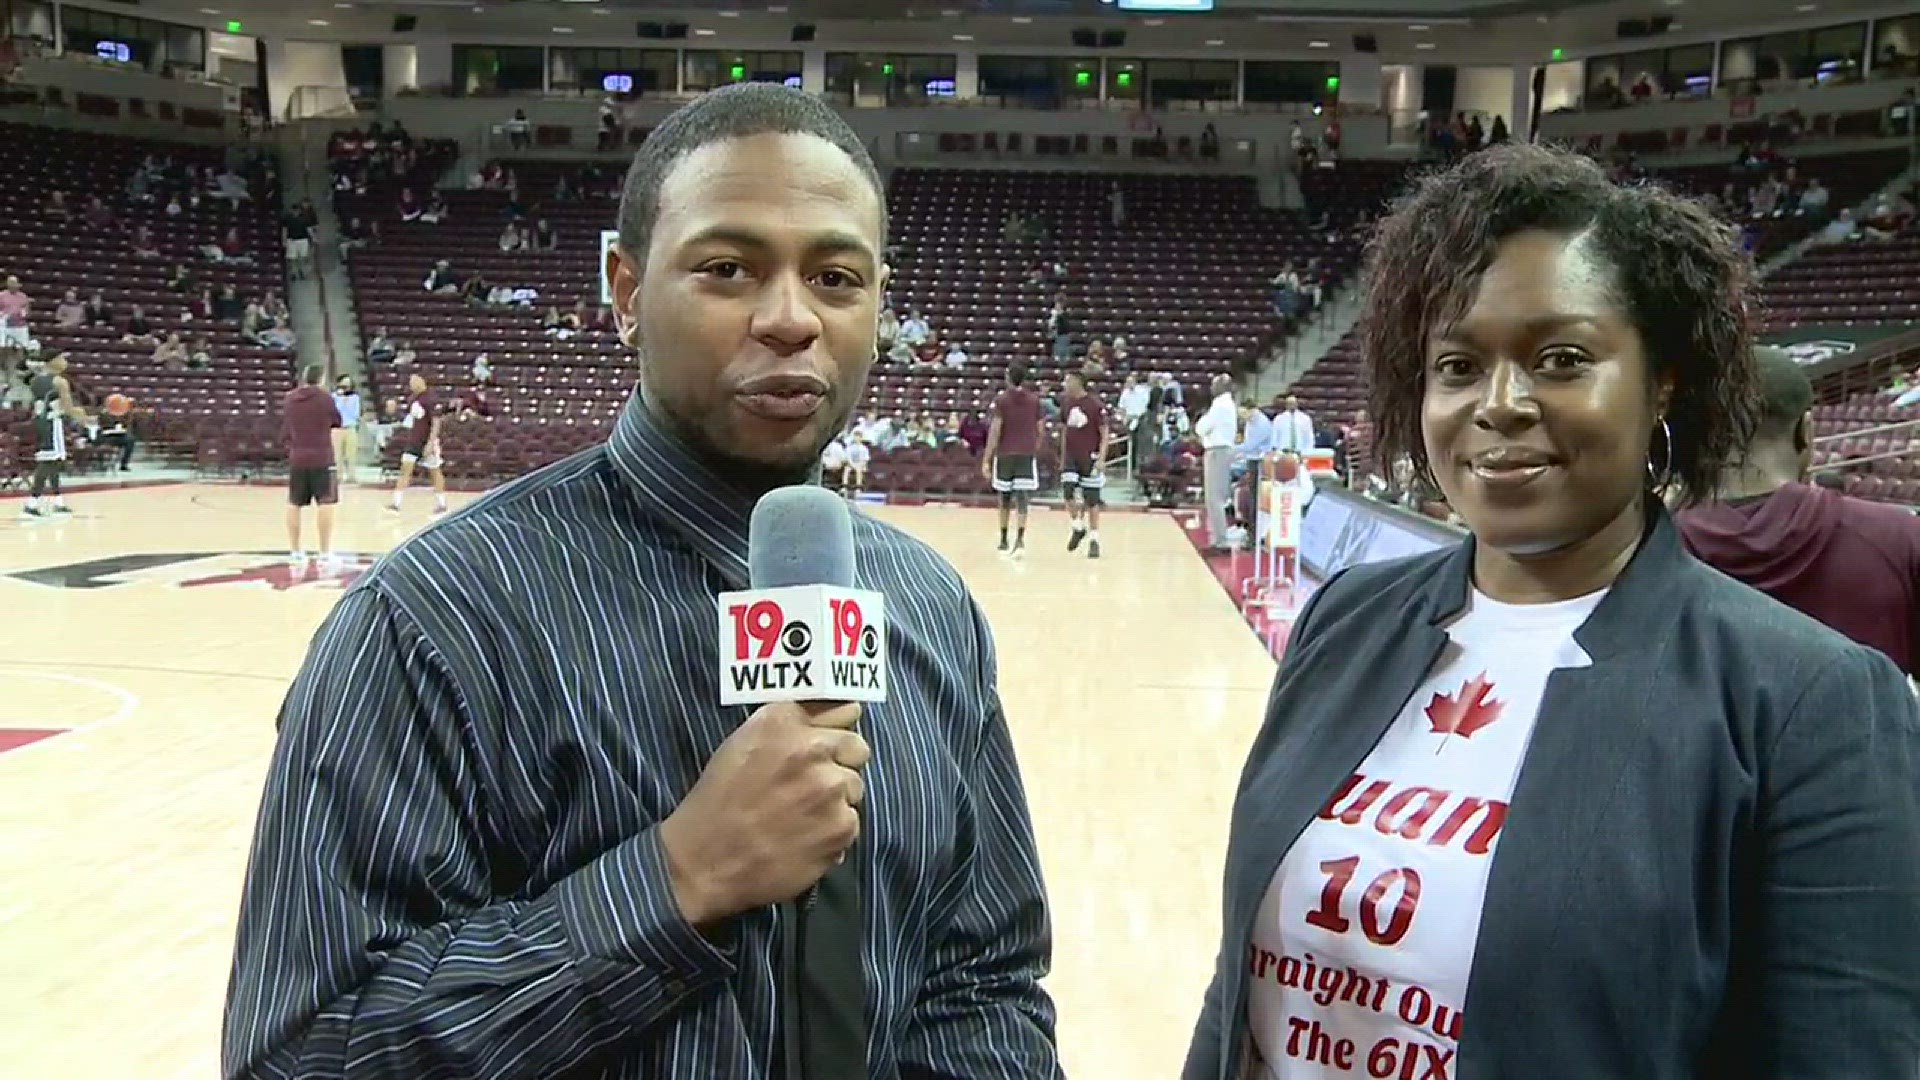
(1560, 801)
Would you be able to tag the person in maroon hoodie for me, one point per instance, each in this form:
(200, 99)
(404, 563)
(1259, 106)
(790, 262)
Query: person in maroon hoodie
(1852, 564)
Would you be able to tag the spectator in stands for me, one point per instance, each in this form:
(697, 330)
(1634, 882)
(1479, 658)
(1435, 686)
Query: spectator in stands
(356, 234)
(1218, 431)
(16, 336)
(436, 211)
(973, 432)
(1209, 143)
(279, 335)
(519, 130)
(1852, 564)
(71, 312)
(1841, 229)
(143, 242)
(956, 355)
(889, 329)
(1116, 206)
(229, 307)
(139, 330)
(200, 356)
(56, 205)
(482, 369)
(1553, 349)
(275, 306)
(98, 216)
(511, 239)
(171, 354)
(1499, 134)
(98, 312)
(1122, 354)
(915, 332)
(404, 355)
(409, 206)
(442, 279)
(1813, 199)
(544, 236)
(230, 186)
(182, 280)
(381, 349)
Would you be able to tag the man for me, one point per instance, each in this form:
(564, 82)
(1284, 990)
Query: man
(1133, 409)
(346, 437)
(858, 458)
(509, 832)
(1292, 430)
(1217, 430)
(420, 443)
(308, 420)
(1083, 456)
(50, 404)
(16, 336)
(1013, 447)
(1852, 564)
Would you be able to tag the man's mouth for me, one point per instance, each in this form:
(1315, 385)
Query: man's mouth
(783, 397)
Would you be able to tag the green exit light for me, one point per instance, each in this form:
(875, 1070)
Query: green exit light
(1124, 78)
(233, 26)
(886, 69)
(1083, 78)
(1559, 53)
(738, 71)
(1333, 82)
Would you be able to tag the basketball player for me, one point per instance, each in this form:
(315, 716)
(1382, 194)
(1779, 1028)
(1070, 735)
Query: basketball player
(51, 405)
(421, 444)
(308, 418)
(1013, 440)
(1083, 456)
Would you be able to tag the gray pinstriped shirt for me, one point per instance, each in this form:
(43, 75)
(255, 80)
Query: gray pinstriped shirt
(456, 872)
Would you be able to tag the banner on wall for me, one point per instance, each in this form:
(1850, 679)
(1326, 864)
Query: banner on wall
(1811, 345)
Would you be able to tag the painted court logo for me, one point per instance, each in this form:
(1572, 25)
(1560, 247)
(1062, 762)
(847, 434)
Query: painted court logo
(190, 570)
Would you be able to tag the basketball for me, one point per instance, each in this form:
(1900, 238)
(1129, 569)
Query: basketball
(119, 404)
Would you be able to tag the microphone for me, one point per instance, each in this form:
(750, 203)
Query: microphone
(801, 631)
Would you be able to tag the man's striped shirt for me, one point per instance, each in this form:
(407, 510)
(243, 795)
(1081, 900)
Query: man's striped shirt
(456, 870)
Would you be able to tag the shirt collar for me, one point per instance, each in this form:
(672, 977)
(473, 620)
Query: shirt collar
(674, 483)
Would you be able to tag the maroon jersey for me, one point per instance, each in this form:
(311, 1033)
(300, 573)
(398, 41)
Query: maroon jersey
(307, 419)
(1019, 411)
(1083, 434)
(421, 409)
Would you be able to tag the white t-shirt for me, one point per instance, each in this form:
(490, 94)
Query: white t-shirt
(858, 455)
(834, 456)
(1363, 944)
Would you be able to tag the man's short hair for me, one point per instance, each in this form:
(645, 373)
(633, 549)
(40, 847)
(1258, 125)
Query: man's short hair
(730, 112)
(1017, 373)
(1785, 391)
(313, 374)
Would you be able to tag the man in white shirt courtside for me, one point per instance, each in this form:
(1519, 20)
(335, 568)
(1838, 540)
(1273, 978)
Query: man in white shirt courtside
(1217, 431)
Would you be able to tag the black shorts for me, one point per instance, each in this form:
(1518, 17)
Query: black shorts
(1081, 471)
(1015, 472)
(309, 486)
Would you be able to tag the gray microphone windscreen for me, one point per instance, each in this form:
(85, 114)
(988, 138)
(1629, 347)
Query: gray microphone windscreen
(800, 535)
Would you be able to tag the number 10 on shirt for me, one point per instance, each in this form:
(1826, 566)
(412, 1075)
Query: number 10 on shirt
(802, 643)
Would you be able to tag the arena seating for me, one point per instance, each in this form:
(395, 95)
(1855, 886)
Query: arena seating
(1185, 280)
(51, 256)
(1849, 282)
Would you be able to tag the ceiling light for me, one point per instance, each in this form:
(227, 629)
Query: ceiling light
(1316, 44)
(1423, 45)
(1674, 3)
(950, 13)
(318, 22)
(776, 9)
(563, 29)
(728, 14)
(343, 5)
(1808, 7)
(963, 37)
(1022, 20)
(210, 11)
(1419, 26)
(701, 31)
(601, 11)
(1215, 41)
(1154, 22)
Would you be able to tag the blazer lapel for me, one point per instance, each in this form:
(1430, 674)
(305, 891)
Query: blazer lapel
(1588, 744)
(1320, 732)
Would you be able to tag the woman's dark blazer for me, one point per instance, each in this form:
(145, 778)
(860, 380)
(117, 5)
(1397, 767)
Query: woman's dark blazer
(1711, 862)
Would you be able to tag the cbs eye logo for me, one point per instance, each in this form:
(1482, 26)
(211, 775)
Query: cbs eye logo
(796, 639)
(870, 643)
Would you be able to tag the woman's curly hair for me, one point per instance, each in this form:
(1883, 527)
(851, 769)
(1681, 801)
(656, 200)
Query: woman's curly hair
(1679, 272)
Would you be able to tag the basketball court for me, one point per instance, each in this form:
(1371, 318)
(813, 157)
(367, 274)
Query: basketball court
(151, 635)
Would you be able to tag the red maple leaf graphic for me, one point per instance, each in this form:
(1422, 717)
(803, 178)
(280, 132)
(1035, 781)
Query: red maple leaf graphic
(283, 576)
(1469, 711)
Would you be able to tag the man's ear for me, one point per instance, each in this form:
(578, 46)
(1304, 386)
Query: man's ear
(623, 278)
(1803, 433)
(886, 278)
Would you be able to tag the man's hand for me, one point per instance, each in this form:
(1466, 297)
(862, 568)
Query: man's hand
(771, 813)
